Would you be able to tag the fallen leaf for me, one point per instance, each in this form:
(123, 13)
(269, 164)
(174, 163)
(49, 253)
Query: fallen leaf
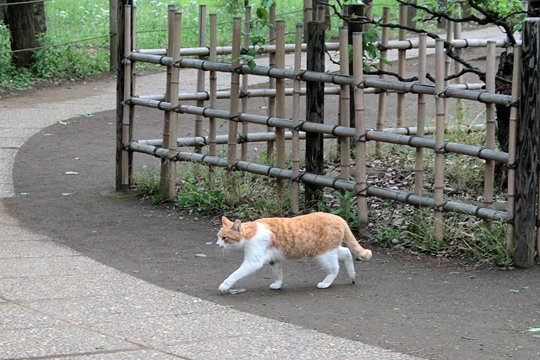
(515, 291)
(534, 330)
(71, 173)
(200, 255)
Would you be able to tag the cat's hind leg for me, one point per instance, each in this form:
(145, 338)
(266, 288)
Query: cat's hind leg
(344, 255)
(277, 271)
(329, 261)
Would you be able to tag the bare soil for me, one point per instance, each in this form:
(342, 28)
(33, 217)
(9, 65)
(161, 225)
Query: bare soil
(416, 305)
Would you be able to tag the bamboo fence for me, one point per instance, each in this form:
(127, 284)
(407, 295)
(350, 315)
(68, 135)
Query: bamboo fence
(294, 128)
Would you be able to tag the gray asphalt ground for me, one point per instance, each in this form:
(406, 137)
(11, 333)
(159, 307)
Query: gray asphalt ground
(57, 303)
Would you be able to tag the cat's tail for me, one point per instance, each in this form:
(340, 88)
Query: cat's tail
(353, 244)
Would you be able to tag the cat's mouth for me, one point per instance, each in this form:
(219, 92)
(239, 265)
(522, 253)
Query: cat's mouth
(220, 242)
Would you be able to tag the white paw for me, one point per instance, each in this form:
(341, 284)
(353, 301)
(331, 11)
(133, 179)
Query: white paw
(352, 276)
(323, 285)
(224, 288)
(276, 285)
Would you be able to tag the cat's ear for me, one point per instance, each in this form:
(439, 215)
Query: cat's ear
(236, 225)
(225, 221)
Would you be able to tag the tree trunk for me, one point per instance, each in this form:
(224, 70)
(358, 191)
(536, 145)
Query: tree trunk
(26, 21)
(314, 109)
(506, 65)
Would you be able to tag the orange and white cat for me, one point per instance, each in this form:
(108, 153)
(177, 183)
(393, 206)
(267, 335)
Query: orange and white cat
(272, 240)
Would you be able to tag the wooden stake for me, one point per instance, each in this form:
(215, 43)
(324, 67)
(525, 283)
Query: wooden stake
(361, 179)
(245, 99)
(439, 141)
(213, 84)
(381, 111)
(421, 116)
(344, 103)
(201, 73)
(170, 119)
(489, 171)
(295, 201)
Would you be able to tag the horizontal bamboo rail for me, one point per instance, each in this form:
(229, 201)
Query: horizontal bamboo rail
(201, 141)
(450, 92)
(332, 46)
(329, 90)
(321, 180)
(336, 130)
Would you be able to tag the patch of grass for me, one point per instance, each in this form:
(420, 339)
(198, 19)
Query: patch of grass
(146, 182)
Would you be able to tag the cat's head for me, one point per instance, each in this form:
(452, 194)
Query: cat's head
(230, 234)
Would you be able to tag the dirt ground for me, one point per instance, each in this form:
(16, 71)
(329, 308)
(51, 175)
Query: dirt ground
(418, 306)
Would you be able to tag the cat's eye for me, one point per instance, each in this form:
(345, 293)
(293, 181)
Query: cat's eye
(224, 238)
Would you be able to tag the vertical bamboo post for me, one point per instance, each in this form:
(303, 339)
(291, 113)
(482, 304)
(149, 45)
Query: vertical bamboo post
(170, 118)
(244, 87)
(402, 64)
(212, 150)
(280, 101)
(271, 111)
(526, 186)
(235, 88)
(512, 143)
(308, 16)
(321, 14)
(458, 67)
(361, 178)
(344, 103)
(201, 73)
(368, 13)
(421, 116)
(123, 110)
(314, 108)
(113, 39)
(133, 76)
(440, 113)
(381, 111)
(489, 170)
(295, 201)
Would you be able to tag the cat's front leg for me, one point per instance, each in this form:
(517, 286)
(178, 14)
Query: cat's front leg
(277, 271)
(247, 268)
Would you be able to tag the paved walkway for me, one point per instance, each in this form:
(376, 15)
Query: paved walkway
(55, 302)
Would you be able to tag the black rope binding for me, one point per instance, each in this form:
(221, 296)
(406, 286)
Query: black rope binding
(299, 177)
(233, 117)
(241, 139)
(442, 149)
(299, 126)
(300, 75)
(479, 153)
